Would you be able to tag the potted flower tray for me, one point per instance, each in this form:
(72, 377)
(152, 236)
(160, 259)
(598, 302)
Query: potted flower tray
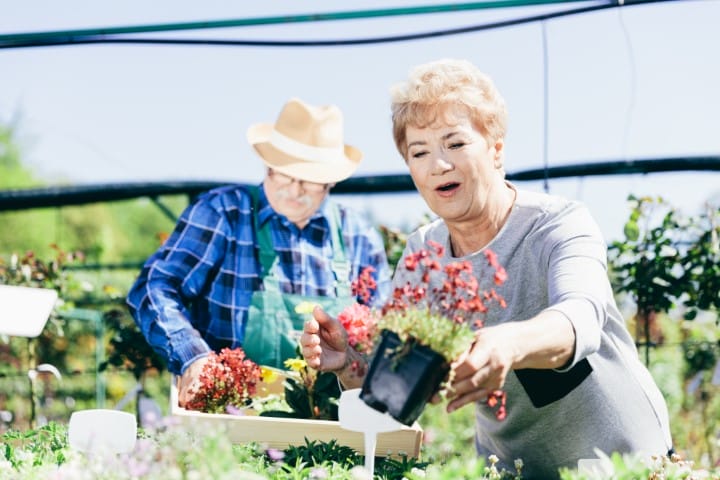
(280, 433)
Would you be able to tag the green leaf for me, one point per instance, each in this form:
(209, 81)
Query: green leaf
(631, 230)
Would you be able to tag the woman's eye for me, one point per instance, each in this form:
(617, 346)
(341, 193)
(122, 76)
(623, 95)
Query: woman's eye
(419, 154)
(456, 145)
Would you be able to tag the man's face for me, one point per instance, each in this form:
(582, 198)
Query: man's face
(298, 200)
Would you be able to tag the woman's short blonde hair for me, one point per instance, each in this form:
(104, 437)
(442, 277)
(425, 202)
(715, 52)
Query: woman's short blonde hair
(438, 88)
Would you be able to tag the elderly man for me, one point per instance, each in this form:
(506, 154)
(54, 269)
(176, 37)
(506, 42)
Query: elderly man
(240, 259)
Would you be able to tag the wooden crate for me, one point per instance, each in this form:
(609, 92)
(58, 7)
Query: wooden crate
(280, 433)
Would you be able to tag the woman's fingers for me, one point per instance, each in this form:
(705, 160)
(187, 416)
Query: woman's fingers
(468, 397)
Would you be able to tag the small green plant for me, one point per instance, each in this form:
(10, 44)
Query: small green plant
(44, 445)
(308, 393)
(317, 453)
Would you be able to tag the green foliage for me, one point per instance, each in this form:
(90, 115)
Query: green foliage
(700, 356)
(316, 401)
(317, 453)
(447, 435)
(647, 263)
(437, 332)
(394, 241)
(116, 232)
(702, 265)
(12, 172)
(172, 451)
(23, 231)
(46, 445)
(667, 259)
(308, 393)
(634, 467)
(128, 347)
(465, 468)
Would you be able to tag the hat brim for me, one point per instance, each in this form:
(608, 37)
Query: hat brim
(339, 169)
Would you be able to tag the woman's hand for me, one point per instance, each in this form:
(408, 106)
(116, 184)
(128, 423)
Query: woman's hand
(324, 342)
(325, 347)
(545, 341)
(481, 369)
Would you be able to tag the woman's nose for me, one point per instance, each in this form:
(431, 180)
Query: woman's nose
(441, 165)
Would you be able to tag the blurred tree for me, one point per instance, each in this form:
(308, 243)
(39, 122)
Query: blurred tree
(127, 231)
(21, 231)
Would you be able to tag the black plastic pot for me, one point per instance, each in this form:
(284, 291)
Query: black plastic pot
(402, 378)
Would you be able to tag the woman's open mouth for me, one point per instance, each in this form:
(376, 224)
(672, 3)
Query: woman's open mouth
(447, 188)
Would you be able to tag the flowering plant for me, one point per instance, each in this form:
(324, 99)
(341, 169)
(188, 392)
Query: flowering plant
(308, 393)
(438, 307)
(227, 382)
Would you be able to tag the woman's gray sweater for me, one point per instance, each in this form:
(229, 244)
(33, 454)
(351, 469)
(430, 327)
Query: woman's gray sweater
(556, 259)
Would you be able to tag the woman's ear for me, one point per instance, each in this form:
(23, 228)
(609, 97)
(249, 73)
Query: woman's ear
(499, 153)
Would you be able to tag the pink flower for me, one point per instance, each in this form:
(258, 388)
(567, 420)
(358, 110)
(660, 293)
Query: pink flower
(359, 322)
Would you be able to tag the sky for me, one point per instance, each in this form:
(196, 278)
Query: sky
(623, 83)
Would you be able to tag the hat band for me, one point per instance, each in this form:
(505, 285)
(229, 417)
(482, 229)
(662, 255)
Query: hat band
(306, 152)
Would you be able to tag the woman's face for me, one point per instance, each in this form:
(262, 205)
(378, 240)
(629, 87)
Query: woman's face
(454, 168)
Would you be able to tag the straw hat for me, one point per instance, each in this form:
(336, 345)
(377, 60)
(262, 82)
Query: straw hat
(306, 143)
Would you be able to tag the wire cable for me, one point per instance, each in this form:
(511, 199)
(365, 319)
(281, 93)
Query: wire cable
(632, 84)
(546, 105)
(61, 38)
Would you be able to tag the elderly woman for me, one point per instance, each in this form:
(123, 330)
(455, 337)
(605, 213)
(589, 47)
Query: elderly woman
(560, 349)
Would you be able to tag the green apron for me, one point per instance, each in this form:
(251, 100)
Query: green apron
(273, 327)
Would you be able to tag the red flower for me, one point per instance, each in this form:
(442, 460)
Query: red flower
(495, 398)
(365, 285)
(227, 379)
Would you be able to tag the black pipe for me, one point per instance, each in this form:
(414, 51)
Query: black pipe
(58, 196)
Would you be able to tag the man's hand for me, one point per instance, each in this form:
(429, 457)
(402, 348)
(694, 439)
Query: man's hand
(189, 382)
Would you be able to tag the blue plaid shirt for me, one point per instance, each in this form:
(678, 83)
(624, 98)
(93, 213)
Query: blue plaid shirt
(193, 294)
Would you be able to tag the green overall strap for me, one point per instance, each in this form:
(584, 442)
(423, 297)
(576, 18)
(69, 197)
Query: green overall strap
(339, 264)
(266, 253)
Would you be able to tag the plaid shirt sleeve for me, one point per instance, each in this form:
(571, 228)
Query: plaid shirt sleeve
(176, 275)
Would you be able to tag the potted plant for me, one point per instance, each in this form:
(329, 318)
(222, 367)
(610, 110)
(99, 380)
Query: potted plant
(425, 326)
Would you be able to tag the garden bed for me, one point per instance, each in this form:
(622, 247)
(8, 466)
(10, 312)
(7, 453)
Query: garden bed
(280, 433)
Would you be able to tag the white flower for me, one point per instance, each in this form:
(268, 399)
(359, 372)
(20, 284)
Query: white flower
(359, 473)
(418, 472)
